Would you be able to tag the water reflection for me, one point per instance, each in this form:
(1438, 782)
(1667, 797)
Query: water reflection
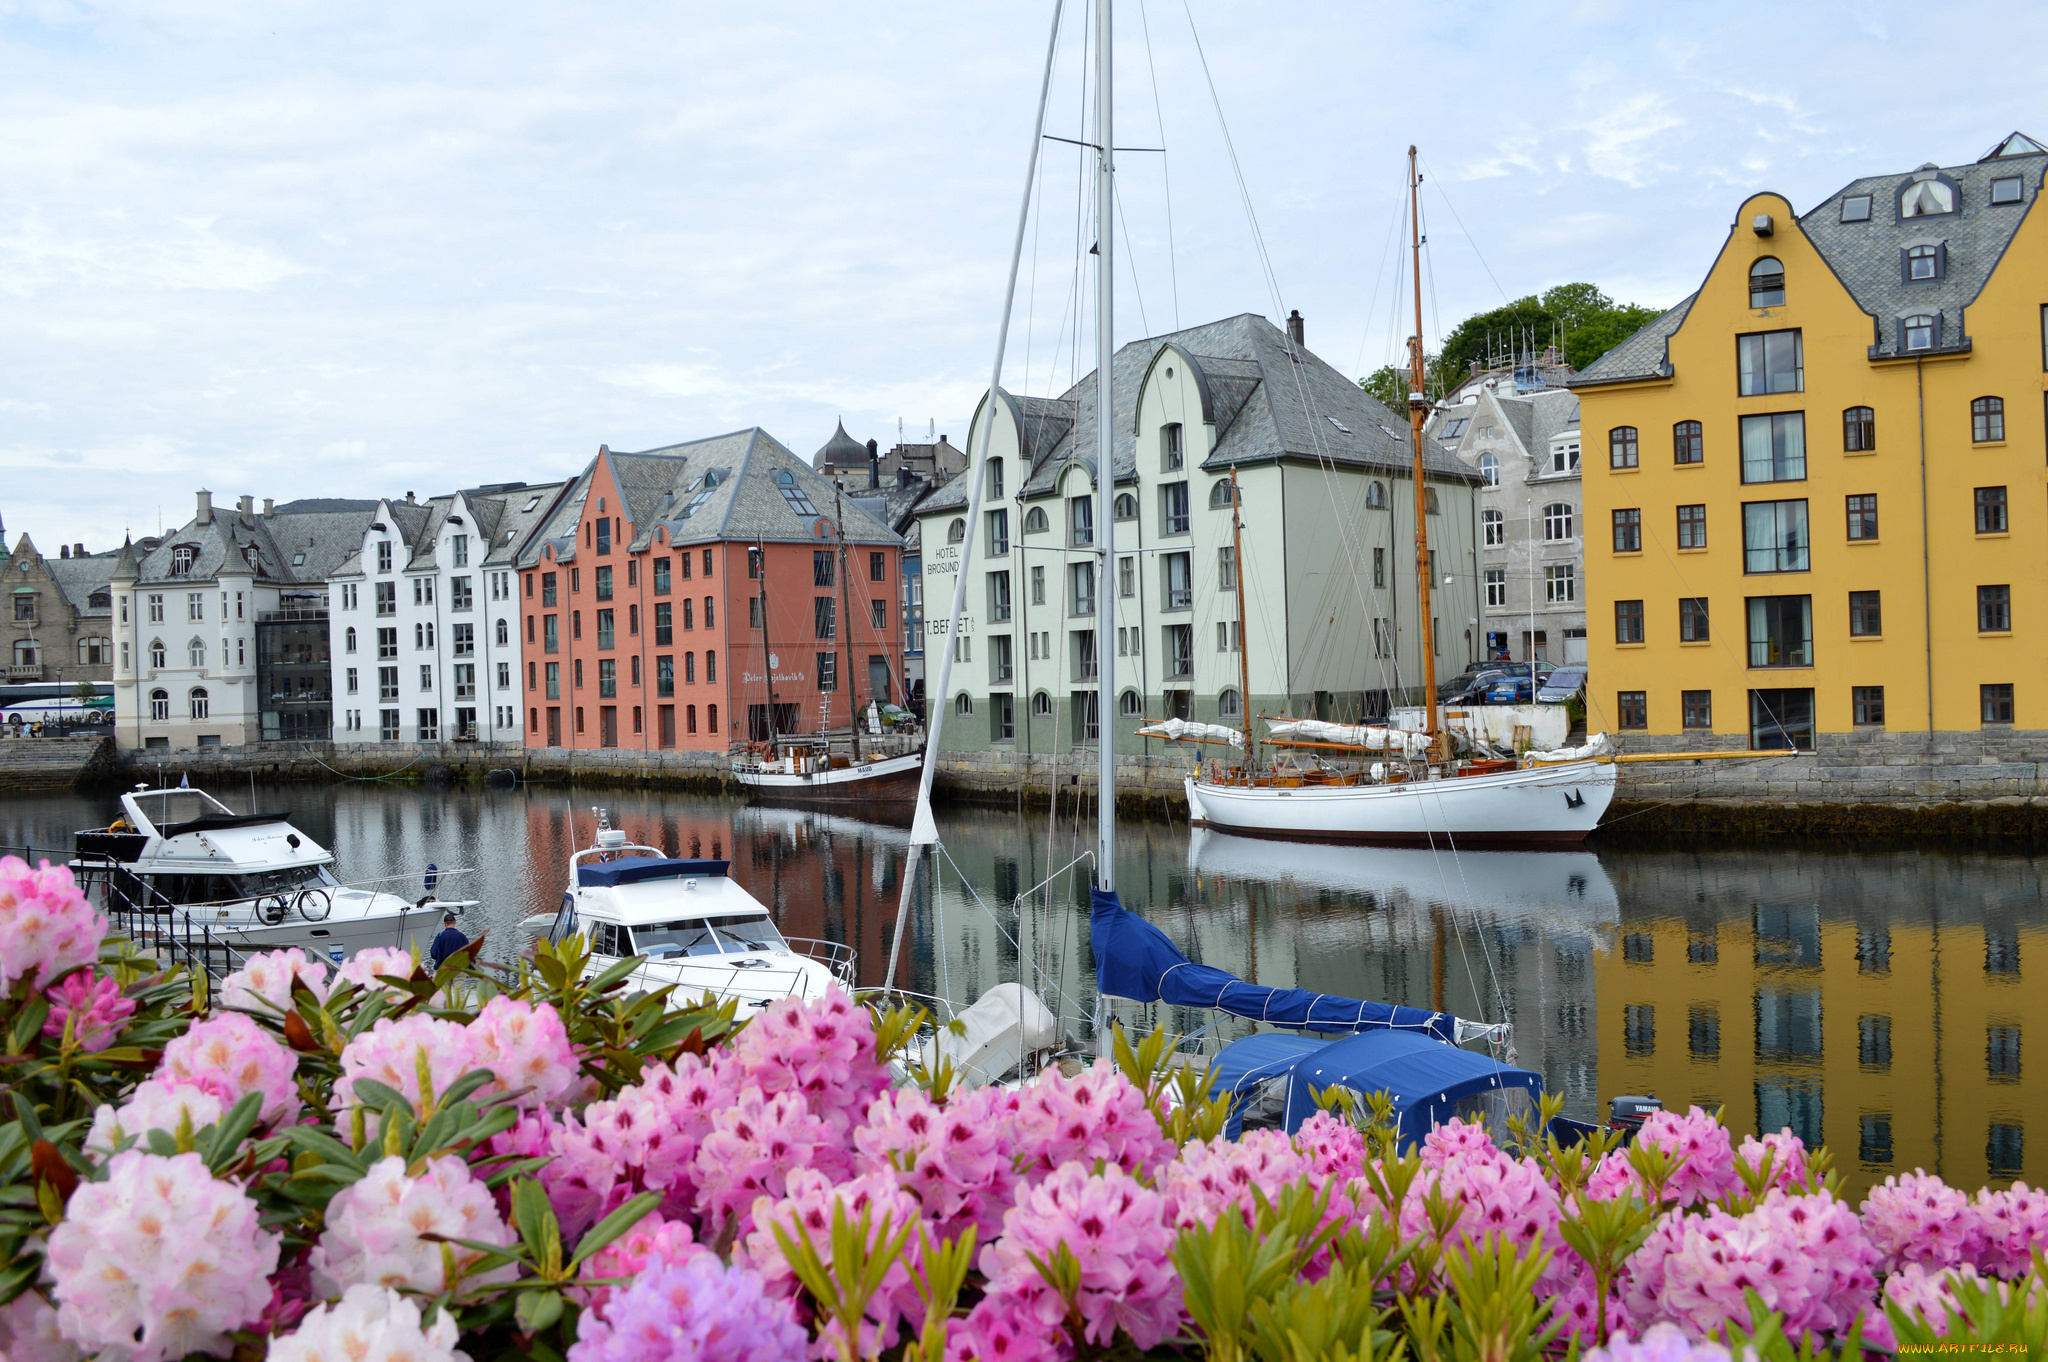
(1872, 1002)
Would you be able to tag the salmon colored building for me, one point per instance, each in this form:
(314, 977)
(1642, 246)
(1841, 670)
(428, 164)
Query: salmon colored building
(644, 598)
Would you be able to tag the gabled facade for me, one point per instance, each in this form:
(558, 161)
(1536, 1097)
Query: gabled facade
(641, 601)
(1326, 482)
(56, 619)
(1822, 475)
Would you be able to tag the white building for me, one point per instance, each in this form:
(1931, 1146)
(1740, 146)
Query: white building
(1326, 478)
(1522, 437)
(424, 618)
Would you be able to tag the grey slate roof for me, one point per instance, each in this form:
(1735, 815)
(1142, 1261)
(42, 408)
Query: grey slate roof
(1270, 401)
(78, 578)
(1646, 354)
(322, 541)
(841, 451)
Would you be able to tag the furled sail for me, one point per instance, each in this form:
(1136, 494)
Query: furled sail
(1599, 745)
(1184, 730)
(1134, 960)
(1373, 738)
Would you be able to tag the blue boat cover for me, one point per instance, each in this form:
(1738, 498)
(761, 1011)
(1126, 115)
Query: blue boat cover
(633, 869)
(1136, 961)
(1243, 1065)
(1426, 1078)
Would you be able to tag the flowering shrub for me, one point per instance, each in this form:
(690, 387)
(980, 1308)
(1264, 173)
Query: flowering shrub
(381, 1164)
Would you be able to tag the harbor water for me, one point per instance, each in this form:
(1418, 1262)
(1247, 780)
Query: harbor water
(1871, 1001)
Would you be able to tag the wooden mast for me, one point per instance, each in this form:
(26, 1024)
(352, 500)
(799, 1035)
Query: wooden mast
(1417, 404)
(846, 615)
(1249, 762)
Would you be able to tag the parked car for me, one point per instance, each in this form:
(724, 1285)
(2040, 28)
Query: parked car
(1469, 687)
(1561, 685)
(1516, 687)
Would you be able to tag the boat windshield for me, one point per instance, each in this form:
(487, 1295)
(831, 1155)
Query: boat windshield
(261, 883)
(733, 934)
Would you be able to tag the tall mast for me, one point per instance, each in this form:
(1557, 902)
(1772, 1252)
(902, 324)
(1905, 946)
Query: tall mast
(1244, 663)
(1416, 405)
(846, 616)
(1105, 456)
(767, 657)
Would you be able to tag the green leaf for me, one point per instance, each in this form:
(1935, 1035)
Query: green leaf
(537, 1310)
(232, 1129)
(615, 975)
(614, 1225)
(380, 1097)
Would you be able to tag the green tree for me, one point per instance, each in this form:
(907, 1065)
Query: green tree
(1600, 333)
(1588, 322)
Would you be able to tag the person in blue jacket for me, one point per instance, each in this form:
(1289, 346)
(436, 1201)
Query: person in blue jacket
(447, 941)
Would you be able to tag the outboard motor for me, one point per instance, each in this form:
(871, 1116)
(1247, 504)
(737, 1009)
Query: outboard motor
(1627, 1114)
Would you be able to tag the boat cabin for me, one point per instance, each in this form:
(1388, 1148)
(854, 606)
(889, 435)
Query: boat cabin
(176, 847)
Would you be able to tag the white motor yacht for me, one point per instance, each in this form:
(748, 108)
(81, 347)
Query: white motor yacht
(181, 871)
(691, 925)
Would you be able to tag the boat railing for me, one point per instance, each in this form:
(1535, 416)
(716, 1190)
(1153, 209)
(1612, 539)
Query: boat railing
(700, 974)
(833, 955)
(139, 911)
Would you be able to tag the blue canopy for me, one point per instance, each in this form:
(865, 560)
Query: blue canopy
(1426, 1078)
(1135, 960)
(1241, 1066)
(633, 869)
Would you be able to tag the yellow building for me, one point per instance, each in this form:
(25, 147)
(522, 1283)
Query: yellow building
(1823, 478)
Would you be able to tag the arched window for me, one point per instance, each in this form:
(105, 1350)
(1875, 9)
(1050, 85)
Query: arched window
(1557, 521)
(1688, 443)
(160, 706)
(181, 560)
(1859, 430)
(1767, 283)
(1987, 419)
(995, 479)
(1035, 522)
(198, 702)
(1622, 448)
(100, 600)
(349, 639)
(25, 653)
(1219, 494)
(504, 634)
(157, 656)
(1920, 330)
(1429, 506)
(1227, 705)
(956, 531)
(1376, 495)
(964, 704)
(1489, 470)
(1495, 526)
(1129, 705)
(196, 651)
(1926, 199)
(1126, 507)
(1041, 705)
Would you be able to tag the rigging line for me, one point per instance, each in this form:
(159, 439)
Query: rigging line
(1435, 316)
(1379, 275)
(1130, 255)
(1159, 117)
(1467, 231)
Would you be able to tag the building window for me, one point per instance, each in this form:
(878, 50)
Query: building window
(1856, 208)
(1125, 507)
(1130, 706)
(998, 533)
(387, 725)
(1557, 521)
(1767, 283)
(1489, 470)
(963, 704)
(1923, 263)
(1781, 631)
(2008, 189)
(1494, 527)
(1774, 537)
(1774, 447)
(1991, 510)
(821, 567)
(1564, 455)
(196, 652)
(1173, 508)
(1692, 619)
(1866, 618)
(878, 567)
(1920, 329)
(1770, 362)
(1692, 527)
(1375, 495)
(1034, 520)
(1002, 717)
(955, 533)
(1863, 516)
(1080, 521)
(1994, 609)
(665, 677)
(1866, 704)
(1782, 721)
(785, 482)
(1987, 419)
(1859, 430)
(1628, 621)
(1688, 442)
(1172, 450)
(1496, 587)
(828, 671)
(1628, 530)
(824, 617)
(1622, 447)
(1081, 588)
(429, 725)
(1560, 583)
(661, 575)
(998, 597)
(1696, 708)
(1041, 705)
(1996, 703)
(1178, 585)
(664, 624)
(1180, 651)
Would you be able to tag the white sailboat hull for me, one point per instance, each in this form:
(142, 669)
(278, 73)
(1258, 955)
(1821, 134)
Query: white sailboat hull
(1507, 808)
(883, 781)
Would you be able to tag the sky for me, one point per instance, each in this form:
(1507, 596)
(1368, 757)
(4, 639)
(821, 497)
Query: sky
(318, 249)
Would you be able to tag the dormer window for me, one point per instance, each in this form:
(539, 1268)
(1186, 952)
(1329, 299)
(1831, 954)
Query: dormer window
(1920, 331)
(182, 558)
(2008, 189)
(249, 554)
(785, 482)
(1856, 208)
(1923, 263)
(1455, 427)
(1767, 283)
(1927, 198)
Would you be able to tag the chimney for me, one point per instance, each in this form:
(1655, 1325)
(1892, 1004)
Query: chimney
(1294, 329)
(63, 550)
(247, 506)
(409, 501)
(205, 516)
(269, 507)
(78, 550)
(874, 465)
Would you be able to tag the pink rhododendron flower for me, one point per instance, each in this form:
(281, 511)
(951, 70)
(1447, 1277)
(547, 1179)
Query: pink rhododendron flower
(698, 1310)
(1117, 1231)
(1454, 1140)
(1708, 1170)
(1659, 1343)
(28, 1332)
(1578, 1306)
(1787, 1155)
(231, 1056)
(954, 1159)
(1099, 1115)
(808, 1210)
(1335, 1149)
(389, 1053)
(376, 1227)
(752, 1148)
(154, 1105)
(2010, 1225)
(645, 1139)
(1930, 1295)
(369, 962)
(93, 1006)
(823, 1050)
(1497, 1197)
(1211, 1177)
(159, 1260)
(47, 929)
(651, 1243)
(369, 1324)
(263, 984)
(1004, 1329)
(1919, 1219)
(526, 1046)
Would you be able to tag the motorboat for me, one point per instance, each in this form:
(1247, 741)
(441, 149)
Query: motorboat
(805, 772)
(689, 923)
(180, 870)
